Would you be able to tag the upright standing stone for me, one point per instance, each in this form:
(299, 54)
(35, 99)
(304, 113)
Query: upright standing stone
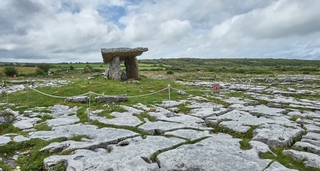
(132, 68)
(115, 55)
(114, 69)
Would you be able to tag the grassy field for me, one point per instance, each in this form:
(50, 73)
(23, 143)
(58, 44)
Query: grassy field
(145, 92)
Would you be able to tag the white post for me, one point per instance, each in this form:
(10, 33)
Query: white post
(169, 95)
(7, 99)
(89, 106)
(169, 91)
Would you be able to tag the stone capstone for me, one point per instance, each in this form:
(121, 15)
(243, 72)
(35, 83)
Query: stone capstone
(109, 53)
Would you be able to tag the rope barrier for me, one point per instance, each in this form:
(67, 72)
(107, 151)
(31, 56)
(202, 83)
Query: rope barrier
(94, 93)
(188, 90)
(61, 97)
(148, 93)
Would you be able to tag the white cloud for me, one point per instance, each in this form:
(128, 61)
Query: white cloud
(75, 30)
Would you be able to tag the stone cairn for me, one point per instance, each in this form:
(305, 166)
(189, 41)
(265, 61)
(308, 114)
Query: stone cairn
(114, 56)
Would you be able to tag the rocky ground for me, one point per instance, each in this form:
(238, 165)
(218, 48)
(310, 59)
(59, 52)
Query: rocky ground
(205, 138)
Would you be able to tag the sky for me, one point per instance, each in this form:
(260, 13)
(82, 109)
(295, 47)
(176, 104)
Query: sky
(52, 31)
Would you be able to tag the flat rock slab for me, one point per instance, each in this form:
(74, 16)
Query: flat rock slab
(189, 134)
(95, 135)
(65, 120)
(25, 122)
(262, 110)
(4, 140)
(276, 135)
(20, 138)
(61, 110)
(159, 127)
(309, 159)
(98, 138)
(121, 119)
(204, 110)
(131, 154)
(219, 152)
(307, 146)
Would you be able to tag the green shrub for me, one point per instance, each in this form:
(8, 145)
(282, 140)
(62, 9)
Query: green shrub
(10, 71)
(40, 72)
(170, 72)
(44, 67)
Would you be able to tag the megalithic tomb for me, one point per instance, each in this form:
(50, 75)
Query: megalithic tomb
(114, 56)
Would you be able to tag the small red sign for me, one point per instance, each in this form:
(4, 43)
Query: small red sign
(216, 88)
(14, 76)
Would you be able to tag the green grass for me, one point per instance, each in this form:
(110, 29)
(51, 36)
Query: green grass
(287, 161)
(8, 128)
(144, 115)
(246, 137)
(133, 129)
(60, 166)
(184, 109)
(33, 160)
(108, 110)
(44, 118)
(42, 127)
(78, 137)
(82, 115)
(153, 157)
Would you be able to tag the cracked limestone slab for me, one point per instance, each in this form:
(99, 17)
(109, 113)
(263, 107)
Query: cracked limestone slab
(189, 134)
(275, 135)
(25, 122)
(131, 154)
(63, 120)
(190, 121)
(307, 147)
(309, 159)
(312, 136)
(238, 121)
(160, 127)
(4, 140)
(97, 139)
(121, 119)
(312, 128)
(219, 152)
(204, 110)
(69, 131)
(262, 110)
(61, 110)
(172, 103)
(20, 138)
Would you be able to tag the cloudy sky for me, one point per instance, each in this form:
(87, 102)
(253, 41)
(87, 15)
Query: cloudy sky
(76, 30)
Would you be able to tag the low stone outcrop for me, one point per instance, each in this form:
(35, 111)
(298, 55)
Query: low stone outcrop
(7, 116)
(120, 98)
(78, 99)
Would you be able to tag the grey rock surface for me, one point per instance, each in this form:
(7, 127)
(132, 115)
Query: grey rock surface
(20, 138)
(309, 159)
(132, 155)
(276, 135)
(212, 154)
(78, 99)
(4, 140)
